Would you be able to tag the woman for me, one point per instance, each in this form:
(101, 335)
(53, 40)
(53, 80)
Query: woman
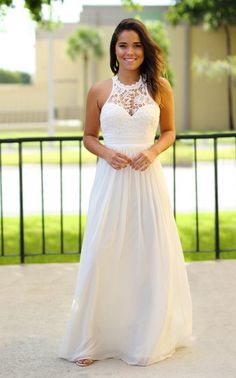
(132, 300)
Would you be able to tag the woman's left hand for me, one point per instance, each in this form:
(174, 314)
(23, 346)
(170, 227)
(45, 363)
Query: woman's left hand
(143, 160)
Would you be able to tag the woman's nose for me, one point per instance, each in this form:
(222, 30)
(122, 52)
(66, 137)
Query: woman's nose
(130, 50)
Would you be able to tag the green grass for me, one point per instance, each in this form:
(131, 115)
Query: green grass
(33, 233)
(51, 153)
(205, 152)
(70, 156)
(185, 223)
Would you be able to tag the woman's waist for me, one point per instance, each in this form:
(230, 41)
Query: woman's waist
(127, 141)
(129, 149)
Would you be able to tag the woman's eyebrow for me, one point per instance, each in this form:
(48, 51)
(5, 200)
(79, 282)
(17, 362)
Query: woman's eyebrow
(127, 42)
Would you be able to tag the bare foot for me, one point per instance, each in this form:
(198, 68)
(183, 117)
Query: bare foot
(84, 362)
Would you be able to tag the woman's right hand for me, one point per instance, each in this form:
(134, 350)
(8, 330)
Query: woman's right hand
(116, 159)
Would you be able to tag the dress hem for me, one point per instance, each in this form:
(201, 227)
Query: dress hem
(127, 360)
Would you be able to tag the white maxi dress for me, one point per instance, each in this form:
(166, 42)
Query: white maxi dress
(132, 299)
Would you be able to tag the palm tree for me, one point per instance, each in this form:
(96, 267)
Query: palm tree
(86, 42)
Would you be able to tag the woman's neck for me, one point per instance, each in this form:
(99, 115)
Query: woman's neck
(129, 77)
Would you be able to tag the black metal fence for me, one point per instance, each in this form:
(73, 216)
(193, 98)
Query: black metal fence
(190, 151)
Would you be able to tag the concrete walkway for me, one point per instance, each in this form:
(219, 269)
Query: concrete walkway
(35, 302)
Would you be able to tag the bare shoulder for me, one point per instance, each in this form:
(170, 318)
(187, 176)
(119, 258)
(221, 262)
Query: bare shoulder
(99, 87)
(100, 91)
(165, 86)
(165, 93)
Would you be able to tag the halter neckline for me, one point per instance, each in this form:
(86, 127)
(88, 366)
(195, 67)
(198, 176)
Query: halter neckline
(128, 86)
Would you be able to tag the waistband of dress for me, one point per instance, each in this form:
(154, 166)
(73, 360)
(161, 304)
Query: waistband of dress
(127, 142)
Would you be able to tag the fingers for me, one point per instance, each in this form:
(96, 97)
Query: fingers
(119, 160)
(140, 167)
(118, 165)
(122, 161)
(139, 159)
(141, 162)
(123, 158)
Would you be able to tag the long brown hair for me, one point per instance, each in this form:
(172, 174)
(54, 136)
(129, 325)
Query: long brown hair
(153, 65)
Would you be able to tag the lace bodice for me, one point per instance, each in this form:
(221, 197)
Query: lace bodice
(130, 115)
(130, 97)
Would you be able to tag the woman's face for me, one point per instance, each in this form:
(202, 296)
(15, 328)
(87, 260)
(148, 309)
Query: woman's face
(129, 51)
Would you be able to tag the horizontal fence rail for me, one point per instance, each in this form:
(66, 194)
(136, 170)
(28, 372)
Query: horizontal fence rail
(61, 171)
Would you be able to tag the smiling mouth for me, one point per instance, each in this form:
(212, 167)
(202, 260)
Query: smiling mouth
(130, 59)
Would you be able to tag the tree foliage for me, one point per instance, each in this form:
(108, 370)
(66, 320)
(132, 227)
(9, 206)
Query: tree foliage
(131, 5)
(34, 6)
(16, 77)
(212, 14)
(85, 41)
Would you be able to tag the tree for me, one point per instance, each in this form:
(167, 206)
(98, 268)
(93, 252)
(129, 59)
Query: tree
(131, 5)
(213, 15)
(86, 42)
(16, 77)
(34, 6)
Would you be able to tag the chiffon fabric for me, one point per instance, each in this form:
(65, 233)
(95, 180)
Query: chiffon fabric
(132, 299)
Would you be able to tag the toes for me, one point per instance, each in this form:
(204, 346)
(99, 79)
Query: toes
(85, 361)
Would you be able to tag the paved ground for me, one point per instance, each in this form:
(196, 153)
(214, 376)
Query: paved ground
(185, 194)
(35, 302)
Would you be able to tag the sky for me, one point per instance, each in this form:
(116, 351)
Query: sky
(17, 30)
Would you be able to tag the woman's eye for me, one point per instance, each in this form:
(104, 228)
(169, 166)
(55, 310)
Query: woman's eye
(134, 46)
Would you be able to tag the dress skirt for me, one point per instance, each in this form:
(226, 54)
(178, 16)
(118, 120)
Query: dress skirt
(132, 299)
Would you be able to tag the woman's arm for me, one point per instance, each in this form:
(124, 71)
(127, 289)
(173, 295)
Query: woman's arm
(92, 124)
(91, 131)
(167, 128)
(167, 125)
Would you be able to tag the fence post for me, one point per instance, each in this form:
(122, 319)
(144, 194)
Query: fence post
(217, 236)
(61, 200)
(22, 243)
(196, 196)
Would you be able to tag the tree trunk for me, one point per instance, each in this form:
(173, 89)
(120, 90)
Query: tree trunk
(229, 79)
